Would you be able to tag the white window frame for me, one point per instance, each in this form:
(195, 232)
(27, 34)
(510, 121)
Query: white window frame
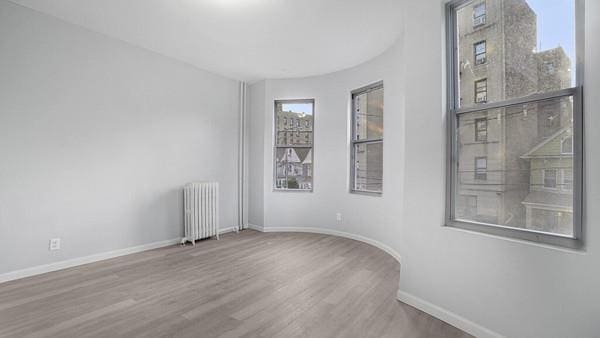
(354, 142)
(454, 111)
(287, 130)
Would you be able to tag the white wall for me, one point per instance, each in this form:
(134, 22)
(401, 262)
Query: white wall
(513, 288)
(256, 142)
(372, 216)
(97, 137)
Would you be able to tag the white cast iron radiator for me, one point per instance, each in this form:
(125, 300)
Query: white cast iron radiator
(201, 206)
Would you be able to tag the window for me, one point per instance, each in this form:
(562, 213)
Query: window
(479, 50)
(515, 126)
(293, 155)
(550, 178)
(367, 140)
(481, 168)
(481, 91)
(479, 14)
(481, 130)
(566, 145)
(567, 179)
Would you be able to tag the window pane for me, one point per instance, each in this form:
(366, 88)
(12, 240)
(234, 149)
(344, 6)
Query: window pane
(368, 171)
(519, 177)
(294, 124)
(529, 48)
(293, 168)
(368, 112)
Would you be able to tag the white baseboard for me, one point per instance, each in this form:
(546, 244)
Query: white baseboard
(69, 263)
(256, 227)
(37, 270)
(338, 233)
(226, 230)
(447, 316)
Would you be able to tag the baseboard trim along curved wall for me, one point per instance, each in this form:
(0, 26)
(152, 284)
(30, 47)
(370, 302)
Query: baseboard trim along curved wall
(434, 310)
(447, 316)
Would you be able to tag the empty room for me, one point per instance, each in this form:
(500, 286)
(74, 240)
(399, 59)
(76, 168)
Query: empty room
(287, 168)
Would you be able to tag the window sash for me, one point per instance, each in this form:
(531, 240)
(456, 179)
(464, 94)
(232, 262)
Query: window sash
(454, 111)
(292, 131)
(355, 142)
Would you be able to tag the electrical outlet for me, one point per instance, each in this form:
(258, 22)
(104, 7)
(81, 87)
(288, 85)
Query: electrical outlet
(54, 244)
(338, 217)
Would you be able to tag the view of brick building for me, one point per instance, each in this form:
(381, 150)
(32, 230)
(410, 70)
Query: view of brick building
(498, 179)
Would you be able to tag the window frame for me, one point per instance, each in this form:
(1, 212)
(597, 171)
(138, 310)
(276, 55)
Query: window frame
(477, 91)
(477, 129)
(475, 54)
(354, 142)
(480, 174)
(276, 146)
(453, 111)
(484, 15)
(562, 145)
(545, 175)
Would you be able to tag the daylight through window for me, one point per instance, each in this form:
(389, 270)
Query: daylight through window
(294, 145)
(515, 118)
(367, 139)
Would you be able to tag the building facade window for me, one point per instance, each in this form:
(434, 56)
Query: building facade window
(366, 167)
(480, 54)
(481, 168)
(550, 178)
(481, 91)
(481, 130)
(479, 14)
(527, 180)
(293, 155)
(566, 145)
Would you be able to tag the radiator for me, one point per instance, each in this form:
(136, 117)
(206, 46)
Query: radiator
(201, 206)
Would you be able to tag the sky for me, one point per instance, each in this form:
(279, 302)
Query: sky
(298, 107)
(555, 25)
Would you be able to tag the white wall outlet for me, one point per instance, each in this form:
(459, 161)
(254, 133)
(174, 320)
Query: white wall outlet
(338, 216)
(54, 244)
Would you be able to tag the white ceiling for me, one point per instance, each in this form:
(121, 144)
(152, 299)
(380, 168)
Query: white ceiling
(243, 39)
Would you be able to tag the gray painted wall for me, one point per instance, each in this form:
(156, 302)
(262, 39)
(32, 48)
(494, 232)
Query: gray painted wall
(97, 137)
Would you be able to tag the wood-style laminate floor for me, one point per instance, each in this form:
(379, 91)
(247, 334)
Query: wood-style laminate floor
(249, 284)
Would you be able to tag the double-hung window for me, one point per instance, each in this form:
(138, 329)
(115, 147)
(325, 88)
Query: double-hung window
(366, 168)
(293, 151)
(522, 177)
(479, 51)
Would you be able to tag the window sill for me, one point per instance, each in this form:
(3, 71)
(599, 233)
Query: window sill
(366, 193)
(528, 237)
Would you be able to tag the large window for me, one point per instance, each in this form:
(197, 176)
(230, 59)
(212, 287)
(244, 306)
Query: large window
(293, 153)
(521, 174)
(367, 140)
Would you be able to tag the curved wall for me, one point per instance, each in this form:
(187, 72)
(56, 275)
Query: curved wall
(374, 217)
(483, 284)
